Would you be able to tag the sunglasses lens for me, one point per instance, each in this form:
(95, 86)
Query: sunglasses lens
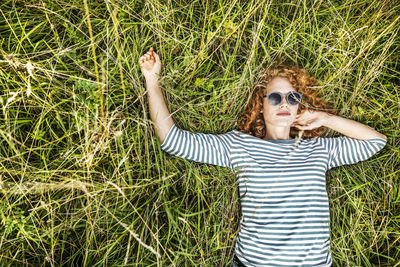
(274, 99)
(294, 98)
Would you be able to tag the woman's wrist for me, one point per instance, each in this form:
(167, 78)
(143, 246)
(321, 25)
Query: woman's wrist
(325, 118)
(151, 81)
(152, 77)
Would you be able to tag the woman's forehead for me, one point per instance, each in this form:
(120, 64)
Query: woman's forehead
(279, 84)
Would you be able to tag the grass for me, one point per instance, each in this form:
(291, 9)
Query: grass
(83, 180)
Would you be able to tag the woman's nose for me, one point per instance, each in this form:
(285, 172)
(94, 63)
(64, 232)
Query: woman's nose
(283, 103)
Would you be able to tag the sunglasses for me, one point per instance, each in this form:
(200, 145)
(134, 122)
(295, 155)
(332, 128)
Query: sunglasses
(275, 98)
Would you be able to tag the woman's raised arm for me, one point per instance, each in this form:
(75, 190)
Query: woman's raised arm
(150, 64)
(353, 129)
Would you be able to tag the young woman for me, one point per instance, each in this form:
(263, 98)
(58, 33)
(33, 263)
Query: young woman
(282, 187)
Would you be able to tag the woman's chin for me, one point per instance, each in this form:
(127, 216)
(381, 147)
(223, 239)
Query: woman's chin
(284, 122)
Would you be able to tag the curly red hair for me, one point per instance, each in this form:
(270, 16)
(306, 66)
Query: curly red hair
(252, 121)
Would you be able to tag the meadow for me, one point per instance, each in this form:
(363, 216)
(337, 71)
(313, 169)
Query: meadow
(83, 181)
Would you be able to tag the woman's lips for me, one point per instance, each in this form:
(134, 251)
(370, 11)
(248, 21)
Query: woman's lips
(284, 113)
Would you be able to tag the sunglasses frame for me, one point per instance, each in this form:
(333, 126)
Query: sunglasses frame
(286, 96)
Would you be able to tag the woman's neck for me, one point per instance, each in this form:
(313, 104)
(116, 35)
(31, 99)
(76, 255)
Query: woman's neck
(277, 132)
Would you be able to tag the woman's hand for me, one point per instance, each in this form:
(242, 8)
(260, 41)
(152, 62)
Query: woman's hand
(150, 64)
(309, 120)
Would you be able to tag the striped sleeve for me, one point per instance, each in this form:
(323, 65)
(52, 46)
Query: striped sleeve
(199, 147)
(344, 150)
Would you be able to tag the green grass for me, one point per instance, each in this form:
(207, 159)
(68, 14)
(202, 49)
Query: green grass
(83, 180)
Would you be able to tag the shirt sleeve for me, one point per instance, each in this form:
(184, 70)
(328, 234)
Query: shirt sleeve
(344, 150)
(199, 147)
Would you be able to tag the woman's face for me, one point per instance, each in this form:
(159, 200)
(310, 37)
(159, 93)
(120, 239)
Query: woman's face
(283, 114)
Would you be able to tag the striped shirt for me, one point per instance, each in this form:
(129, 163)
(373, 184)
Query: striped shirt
(282, 187)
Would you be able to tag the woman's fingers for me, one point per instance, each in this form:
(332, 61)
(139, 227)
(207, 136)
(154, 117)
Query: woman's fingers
(150, 55)
(307, 125)
(145, 58)
(150, 63)
(304, 127)
(304, 118)
(300, 120)
(156, 57)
